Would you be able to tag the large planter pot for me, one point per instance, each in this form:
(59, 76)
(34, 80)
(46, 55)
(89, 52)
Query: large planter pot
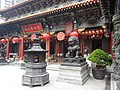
(99, 73)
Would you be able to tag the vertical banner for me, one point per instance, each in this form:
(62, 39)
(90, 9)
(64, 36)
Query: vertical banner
(68, 27)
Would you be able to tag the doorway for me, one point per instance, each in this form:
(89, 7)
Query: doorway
(14, 51)
(96, 44)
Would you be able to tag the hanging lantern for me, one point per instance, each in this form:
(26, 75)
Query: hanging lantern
(82, 33)
(97, 31)
(101, 31)
(86, 33)
(104, 31)
(90, 2)
(46, 36)
(74, 34)
(3, 40)
(93, 32)
(89, 32)
(15, 40)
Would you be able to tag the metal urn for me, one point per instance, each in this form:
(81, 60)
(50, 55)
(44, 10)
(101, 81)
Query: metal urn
(35, 66)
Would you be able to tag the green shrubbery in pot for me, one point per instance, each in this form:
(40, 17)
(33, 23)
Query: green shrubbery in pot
(101, 59)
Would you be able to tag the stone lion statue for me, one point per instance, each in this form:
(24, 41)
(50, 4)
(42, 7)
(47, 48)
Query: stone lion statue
(73, 49)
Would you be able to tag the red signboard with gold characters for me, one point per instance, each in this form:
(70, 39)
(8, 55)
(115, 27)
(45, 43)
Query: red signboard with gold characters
(32, 28)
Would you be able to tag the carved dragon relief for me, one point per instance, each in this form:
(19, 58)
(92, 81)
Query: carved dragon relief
(116, 50)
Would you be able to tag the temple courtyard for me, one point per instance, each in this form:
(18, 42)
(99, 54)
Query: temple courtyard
(11, 79)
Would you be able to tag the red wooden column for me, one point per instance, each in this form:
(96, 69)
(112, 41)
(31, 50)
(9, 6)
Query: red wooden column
(22, 47)
(58, 49)
(8, 48)
(47, 38)
(48, 47)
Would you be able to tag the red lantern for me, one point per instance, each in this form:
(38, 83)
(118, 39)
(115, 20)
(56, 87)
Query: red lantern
(101, 31)
(86, 33)
(15, 40)
(3, 40)
(82, 33)
(97, 31)
(93, 32)
(104, 31)
(89, 32)
(74, 34)
(46, 36)
(81, 4)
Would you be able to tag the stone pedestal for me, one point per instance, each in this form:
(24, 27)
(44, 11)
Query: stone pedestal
(76, 73)
(73, 68)
(35, 74)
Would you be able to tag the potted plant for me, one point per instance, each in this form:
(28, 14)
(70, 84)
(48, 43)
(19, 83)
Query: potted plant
(101, 59)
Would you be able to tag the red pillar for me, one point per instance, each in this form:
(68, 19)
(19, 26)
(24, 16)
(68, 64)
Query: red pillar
(22, 47)
(48, 47)
(8, 48)
(58, 49)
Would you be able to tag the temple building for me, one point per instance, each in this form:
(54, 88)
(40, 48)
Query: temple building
(55, 21)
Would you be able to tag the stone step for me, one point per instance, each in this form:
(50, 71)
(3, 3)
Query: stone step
(54, 67)
(74, 68)
(74, 80)
(77, 75)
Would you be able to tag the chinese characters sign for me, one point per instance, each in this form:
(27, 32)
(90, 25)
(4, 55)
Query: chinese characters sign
(32, 28)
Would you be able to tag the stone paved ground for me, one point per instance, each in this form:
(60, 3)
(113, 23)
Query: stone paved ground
(108, 82)
(11, 79)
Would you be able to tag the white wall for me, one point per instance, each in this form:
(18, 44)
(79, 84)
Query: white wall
(8, 3)
(5, 3)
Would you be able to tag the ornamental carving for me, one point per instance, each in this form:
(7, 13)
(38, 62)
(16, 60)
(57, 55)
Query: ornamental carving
(116, 49)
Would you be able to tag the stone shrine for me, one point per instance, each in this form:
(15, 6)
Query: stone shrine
(36, 66)
(73, 68)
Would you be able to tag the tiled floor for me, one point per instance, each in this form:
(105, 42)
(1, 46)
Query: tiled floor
(11, 79)
(108, 82)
